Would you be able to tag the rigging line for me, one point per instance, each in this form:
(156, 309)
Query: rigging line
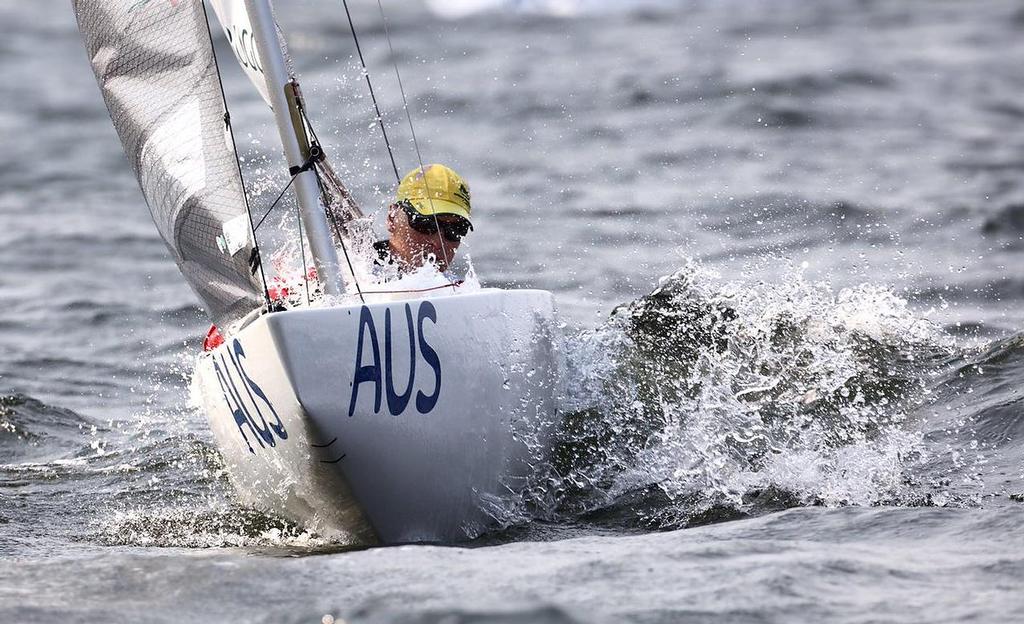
(414, 290)
(300, 104)
(348, 260)
(302, 250)
(323, 193)
(373, 96)
(337, 232)
(294, 171)
(238, 165)
(412, 131)
(274, 204)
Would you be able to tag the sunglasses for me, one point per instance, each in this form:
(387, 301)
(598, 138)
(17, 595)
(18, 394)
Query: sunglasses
(453, 231)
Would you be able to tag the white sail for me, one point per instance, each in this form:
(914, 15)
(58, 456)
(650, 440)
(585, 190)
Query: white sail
(234, 19)
(155, 68)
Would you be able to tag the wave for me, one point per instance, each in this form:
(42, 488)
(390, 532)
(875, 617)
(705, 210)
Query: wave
(33, 430)
(204, 524)
(169, 489)
(706, 401)
(984, 397)
(160, 484)
(771, 215)
(454, 9)
(812, 84)
(173, 492)
(540, 614)
(997, 406)
(1009, 220)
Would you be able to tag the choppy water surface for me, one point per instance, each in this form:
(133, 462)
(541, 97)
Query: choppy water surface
(815, 415)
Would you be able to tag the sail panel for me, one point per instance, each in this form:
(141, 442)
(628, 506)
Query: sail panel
(154, 63)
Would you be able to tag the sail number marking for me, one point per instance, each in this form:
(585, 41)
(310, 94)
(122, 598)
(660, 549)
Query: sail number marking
(244, 397)
(370, 369)
(254, 413)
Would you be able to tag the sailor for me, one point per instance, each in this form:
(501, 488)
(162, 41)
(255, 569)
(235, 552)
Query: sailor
(436, 199)
(427, 221)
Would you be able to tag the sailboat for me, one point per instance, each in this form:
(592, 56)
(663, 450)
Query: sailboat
(387, 420)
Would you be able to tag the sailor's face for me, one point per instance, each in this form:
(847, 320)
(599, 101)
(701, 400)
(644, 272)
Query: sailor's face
(415, 248)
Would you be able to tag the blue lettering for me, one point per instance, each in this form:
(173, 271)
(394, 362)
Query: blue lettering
(235, 407)
(264, 431)
(370, 372)
(398, 402)
(252, 387)
(374, 372)
(425, 403)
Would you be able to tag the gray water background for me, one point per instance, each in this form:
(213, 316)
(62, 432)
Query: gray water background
(790, 147)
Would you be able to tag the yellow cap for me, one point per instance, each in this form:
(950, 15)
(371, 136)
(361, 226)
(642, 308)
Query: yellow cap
(448, 192)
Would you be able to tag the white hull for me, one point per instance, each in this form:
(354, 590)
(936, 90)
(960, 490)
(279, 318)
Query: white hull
(408, 436)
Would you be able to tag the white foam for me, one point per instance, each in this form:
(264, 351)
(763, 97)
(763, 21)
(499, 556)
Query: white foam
(793, 401)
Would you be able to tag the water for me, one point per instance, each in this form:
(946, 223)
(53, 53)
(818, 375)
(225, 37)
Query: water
(816, 416)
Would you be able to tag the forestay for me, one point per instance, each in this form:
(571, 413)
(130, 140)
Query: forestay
(154, 63)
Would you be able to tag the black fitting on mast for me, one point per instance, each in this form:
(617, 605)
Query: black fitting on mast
(316, 154)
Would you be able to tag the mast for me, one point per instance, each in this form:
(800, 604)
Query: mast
(314, 222)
